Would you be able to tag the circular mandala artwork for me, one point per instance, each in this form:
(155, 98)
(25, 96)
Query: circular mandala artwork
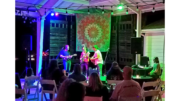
(93, 29)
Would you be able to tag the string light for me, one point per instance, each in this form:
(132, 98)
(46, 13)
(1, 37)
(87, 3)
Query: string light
(127, 11)
(111, 11)
(88, 10)
(66, 11)
(137, 7)
(103, 10)
(153, 10)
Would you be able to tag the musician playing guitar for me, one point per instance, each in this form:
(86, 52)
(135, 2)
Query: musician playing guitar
(97, 59)
(84, 59)
(65, 54)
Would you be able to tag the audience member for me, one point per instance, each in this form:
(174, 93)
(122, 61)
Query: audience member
(75, 92)
(114, 72)
(96, 88)
(63, 89)
(77, 75)
(53, 73)
(155, 73)
(126, 88)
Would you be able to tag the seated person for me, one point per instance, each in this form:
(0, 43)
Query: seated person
(114, 72)
(53, 73)
(96, 88)
(155, 73)
(75, 92)
(63, 89)
(126, 88)
(77, 75)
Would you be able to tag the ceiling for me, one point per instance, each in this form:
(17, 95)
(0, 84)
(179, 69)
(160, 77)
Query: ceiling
(77, 6)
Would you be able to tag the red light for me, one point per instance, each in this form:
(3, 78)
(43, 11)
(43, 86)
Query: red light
(57, 14)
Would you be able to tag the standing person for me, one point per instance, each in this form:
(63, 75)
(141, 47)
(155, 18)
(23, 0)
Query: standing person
(84, 59)
(155, 73)
(65, 54)
(97, 59)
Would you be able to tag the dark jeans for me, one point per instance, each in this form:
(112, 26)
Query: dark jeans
(84, 67)
(67, 65)
(99, 68)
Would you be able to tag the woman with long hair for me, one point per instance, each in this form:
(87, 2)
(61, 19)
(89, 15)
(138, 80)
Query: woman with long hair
(63, 89)
(77, 75)
(155, 73)
(84, 60)
(115, 72)
(96, 88)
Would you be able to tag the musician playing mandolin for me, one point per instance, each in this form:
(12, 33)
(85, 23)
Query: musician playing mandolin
(65, 54)
(84, 59)
(97, 59)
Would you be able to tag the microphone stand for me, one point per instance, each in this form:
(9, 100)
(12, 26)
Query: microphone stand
(105, 61)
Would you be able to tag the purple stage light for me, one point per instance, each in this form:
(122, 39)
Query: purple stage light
(57, 14)
(52, 14)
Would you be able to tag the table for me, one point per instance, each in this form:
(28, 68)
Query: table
(141, 71)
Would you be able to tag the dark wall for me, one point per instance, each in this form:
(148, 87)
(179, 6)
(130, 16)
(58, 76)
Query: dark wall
(21, 29)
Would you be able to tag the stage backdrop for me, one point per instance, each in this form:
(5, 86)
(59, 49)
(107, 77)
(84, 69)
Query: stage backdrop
(93, 29)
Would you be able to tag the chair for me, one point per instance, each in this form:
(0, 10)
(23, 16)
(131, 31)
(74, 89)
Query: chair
(90, 98)
(29, 84)
(161, 87)
(129, 98)
(48, 82)
(152, 92)
(21, 92)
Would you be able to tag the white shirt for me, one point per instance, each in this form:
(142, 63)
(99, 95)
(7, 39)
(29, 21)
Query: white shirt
(126, 88)
(99, 59)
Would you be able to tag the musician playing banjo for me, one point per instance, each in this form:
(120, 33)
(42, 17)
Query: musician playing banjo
(65, 54)
(84, 60)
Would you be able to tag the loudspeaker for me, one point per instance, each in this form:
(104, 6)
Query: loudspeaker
(136, 45)
(144, 61)
(26, 42)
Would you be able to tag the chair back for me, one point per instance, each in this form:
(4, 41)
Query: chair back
(129, 98)
(21, 92)
(151, 93)
(90, 98)
(151, 84)
(48, 82)
(29, 83)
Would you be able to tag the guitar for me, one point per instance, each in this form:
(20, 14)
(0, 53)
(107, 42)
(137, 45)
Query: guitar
(93, 60)
(85, 58)
(69, 57)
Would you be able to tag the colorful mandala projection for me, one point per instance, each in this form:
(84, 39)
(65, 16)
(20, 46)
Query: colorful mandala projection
(93, 29)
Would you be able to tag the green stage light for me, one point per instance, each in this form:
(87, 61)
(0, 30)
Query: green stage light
(112, 13)
(120, 7)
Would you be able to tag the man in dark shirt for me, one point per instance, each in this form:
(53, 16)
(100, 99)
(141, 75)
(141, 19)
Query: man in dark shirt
(65, 54)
